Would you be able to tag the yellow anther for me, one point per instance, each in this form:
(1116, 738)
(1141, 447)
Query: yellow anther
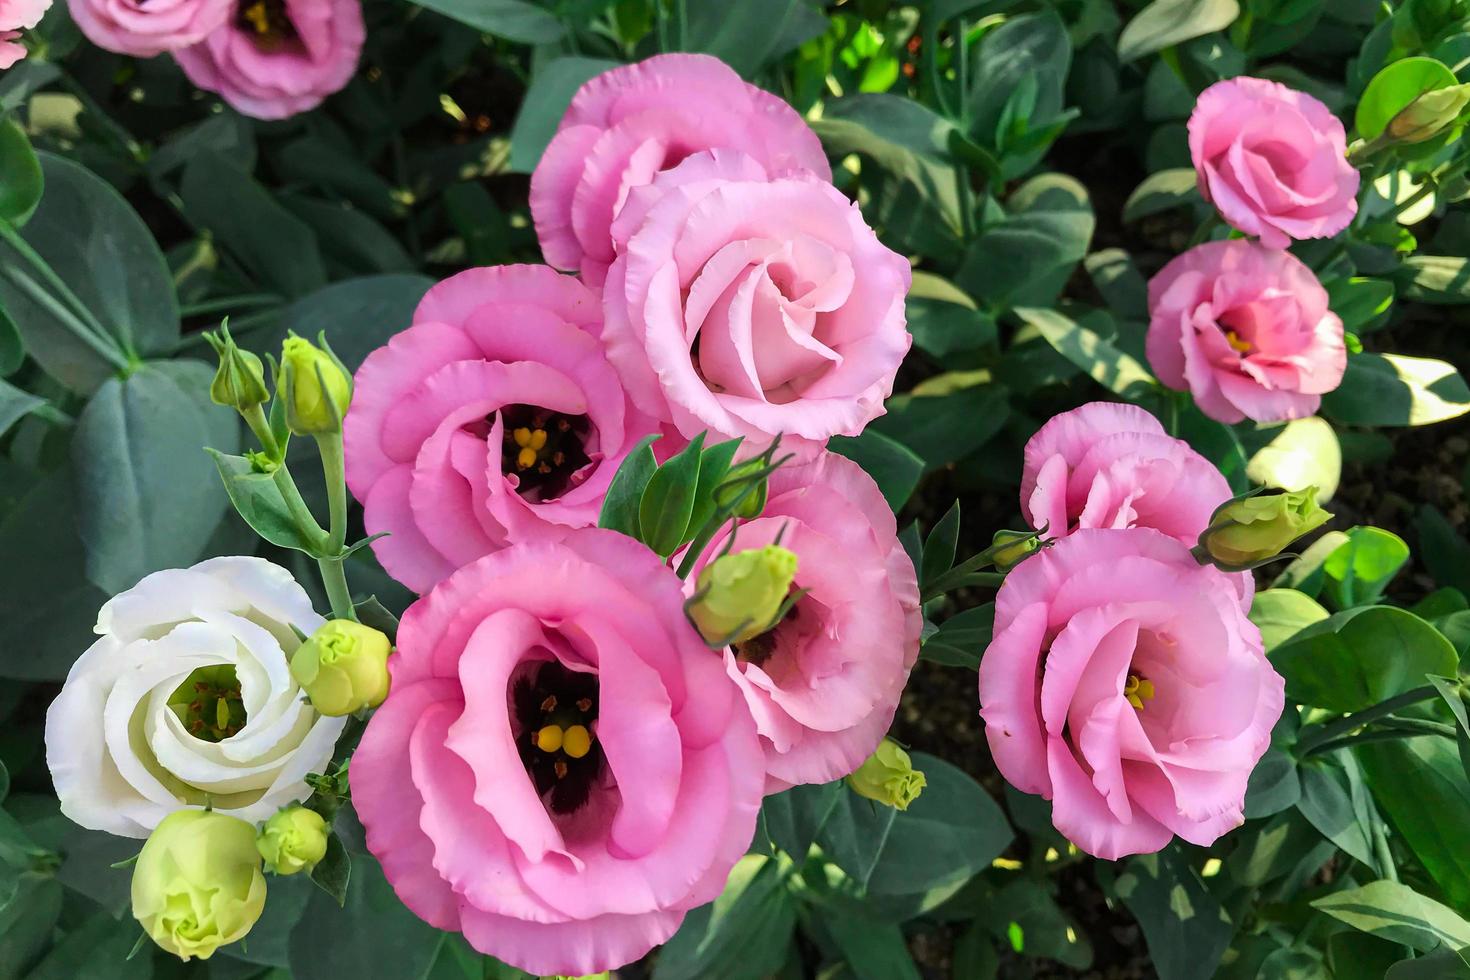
(1138, 690)
(526, 458)
(550, 738)
(522, 436)
(538, 439)
(1237, 343)
(577, 741)
(259, 18)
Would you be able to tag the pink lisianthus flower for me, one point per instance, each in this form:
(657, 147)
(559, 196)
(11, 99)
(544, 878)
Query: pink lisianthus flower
(1112, 465)
(561, 831)
(1126, 685)
(1273, 161)
(1246, 330)
(275, 58)
(17, 16)
(753, 306)
(629, 123)
(494, 418)
(824, 682)
(144, 28)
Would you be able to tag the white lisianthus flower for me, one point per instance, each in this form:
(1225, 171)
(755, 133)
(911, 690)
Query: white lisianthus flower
(188, 698)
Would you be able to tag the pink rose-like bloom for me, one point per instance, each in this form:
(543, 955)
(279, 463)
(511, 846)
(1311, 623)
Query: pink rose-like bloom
(17, 16)
(576, 854)
(276, 58)
(494, 418)
(1112, 465)
(1126, 685)
(824, 683)
(753, 306)
(1273, 160)
(629, 123)
(1246, 330)
(144, 28)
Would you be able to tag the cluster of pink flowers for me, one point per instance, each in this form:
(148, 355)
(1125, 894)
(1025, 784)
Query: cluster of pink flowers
(1124, 682)
(1244, 326)
(725, 287)
(268, 58)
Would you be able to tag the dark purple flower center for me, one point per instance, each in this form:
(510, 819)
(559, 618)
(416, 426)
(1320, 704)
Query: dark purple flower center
(554, 709)
(543, 449)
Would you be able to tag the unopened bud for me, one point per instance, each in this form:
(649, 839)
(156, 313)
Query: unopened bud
(316, 387)
(736, 482)
(1009, 547)
(292, 840)
(738, 596)
(239, 383)
(343, 667)
(1250, 530)
(1430, 114)
(888, 776)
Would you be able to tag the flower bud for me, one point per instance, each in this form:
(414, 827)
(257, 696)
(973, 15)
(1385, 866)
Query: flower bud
(1009, 547)
(739, 596)
(735, 482)
(292, 840)
(888, 776)
(1429, 114)
(197, 883)
(315, 386)
(1247, 531)
(240, 381)
(343, 667)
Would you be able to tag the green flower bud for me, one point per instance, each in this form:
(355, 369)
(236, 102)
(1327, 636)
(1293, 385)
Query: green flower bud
(1247, 531)
(343, 667)
(1009, 547)
(197, 884)
(240, 381)
(1430, 114)
(888, 776)
(739, 595)
(734, 483)
(292, 840)
(315, 386)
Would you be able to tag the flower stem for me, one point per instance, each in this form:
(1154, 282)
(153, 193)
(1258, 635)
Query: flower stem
(1345, 726)
(330, 447)
(334, 577)
(305, 522)
(255, 418)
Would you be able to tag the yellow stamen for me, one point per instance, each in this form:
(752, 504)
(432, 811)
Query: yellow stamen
(577, 741)
(526, 458)
(550, 738)
(522, 436)
(1137, 690)
(538, 439)
(1237, 343)
(258, 17)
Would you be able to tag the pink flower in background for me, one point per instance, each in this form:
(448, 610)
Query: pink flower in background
(1126, 685)
(629, 123)
(17, 16)
(1273, 160)
(1112, 465)
(824, 683)
(1246, 330)
(494, 418)
(144, 28)
(562, 768)
(276, 58)
(752, 306)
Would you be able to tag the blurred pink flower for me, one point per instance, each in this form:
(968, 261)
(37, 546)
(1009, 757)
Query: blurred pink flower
(569, 853)
(494, 418)
(1273, 160)
(1246, 330)
(752, 306)
(627, 124)
(1126, 685)
(17, 16)
(144, 28)
(278, 57)
(1112, 465)
(824, 683)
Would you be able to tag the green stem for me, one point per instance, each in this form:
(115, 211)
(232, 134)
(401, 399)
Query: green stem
(1386, 866)
(255, 418)
(305, 522)
(78, 319)
(330, 447)
(962, 71)
(227, 303)
(1350, 724)
(335, 580)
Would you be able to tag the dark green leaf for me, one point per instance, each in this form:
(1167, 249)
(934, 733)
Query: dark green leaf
(942, 428)
(668, 500)
(373, 935)
(1360, 302)
(1186, 929)
(1421, 786)
(517, 20)
(333, 872)
(962, 638)
(1107, 365)
(1026, 260)
(1034, 45)
(620, 505)
(15, 405)
(873, 950)
(1165, 23)
(748, 35)
(258, 500)
(1362, 656)
(357, 315)
(1328, 807)
(545, 103)
(714, 466)
(892, 465)
(742, 935)
(371, 612)
(793, 817)
(939, 546)
(12, 348)
(20, 174)
(1443, 550)
(1162, 190)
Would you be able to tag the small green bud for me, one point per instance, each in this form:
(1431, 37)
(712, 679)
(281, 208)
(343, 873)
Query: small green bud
(239, 383)
(1009, 547)
(734, 483)
(738, 596)
(888, 776)
(1249, 530)
(1429, 114)
(292, 840)
(315, 386)
(197, 883)
(343, 667)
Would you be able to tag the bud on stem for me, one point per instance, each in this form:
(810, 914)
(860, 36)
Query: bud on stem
(1254, 529)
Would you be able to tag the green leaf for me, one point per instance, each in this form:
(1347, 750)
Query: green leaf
(1302, 453)
(1328, 807)
(1392, 89)
(1027, 259)
(1359, 956)
(939, 546)
(21, 181)
(1439, 279)
(1161, 191)
(1360, 302)
(962, 638)
(107, 257)
(1421, 786)
(942, 428)
(793, 817)
(546, 101)
(27, 924)
(1275, 784)
(141, 466)
(1443, 550)
(940, 328)
(357, 315)
(1282, 613)
(1396, 912)
(15, 405)
(1119, 281)
(892, 465)
(1357, 658)
(371, 612)
(334, 871)
(668, 500)
(1107, 365)
(1029, 45)
(742, 935)
(714, 466)
(1358, 571)
(373, 935)
(620, 504)
(97, 950)
(1392, 389)
(1186, 929)
(1305, 572)
(748, 35)
(1165, 23)
(873, 950)
(259, 501)
(517, 20)
(12, 348)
